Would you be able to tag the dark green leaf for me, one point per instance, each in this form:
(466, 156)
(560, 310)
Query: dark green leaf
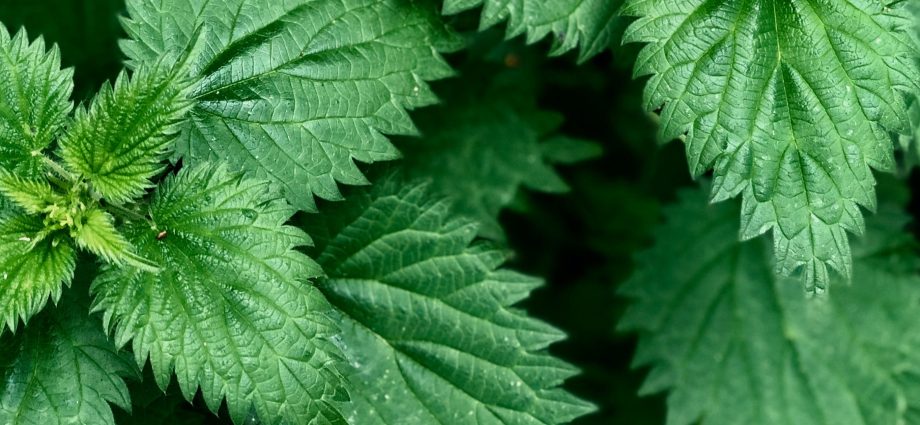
(791, 103)
(735, 345)
(62, 370)
(297, 91)
(589, 25)
(427, 321)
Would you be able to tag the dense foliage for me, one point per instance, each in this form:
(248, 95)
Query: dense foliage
(423, 212)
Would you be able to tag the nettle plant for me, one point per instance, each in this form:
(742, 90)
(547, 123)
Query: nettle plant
(181, 178)
(159, 217)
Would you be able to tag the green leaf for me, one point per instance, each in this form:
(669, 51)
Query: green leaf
(426, 318)
(291, 90)
(121, 140)
(34, 101)
(589, 25)
(91, 228)
(62, 369)
(33, 267)
(34, 196)
(232, 311)
(735, 345)
(94, 230)
(791, 103)
(6, 208)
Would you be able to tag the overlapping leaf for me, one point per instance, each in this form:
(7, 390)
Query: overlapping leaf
(296, 91)
(34, 101)
(232, 312)
(589, 25)
(62, 370)
(735, 345)
(33, 196)
(791, 103)
(94, 230)
(426, 318)
(31, 271)
(121, 140)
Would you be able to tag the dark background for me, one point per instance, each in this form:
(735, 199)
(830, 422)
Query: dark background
(581, 242)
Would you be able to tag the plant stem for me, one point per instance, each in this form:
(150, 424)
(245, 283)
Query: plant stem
(120, 211)
(58, 169)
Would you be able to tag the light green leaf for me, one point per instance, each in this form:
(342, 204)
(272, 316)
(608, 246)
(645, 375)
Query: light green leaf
(34, 196)
(94, 230)
(62, 370)
(34, 101)
(232, 311)
(427, 325)
(290, 90)
(121, 140)
(589, 25)
(735, 345)
(791, 103)
(33, 267)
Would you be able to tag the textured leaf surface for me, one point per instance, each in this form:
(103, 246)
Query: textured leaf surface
(290, 89)
(589, 25)
(791, 103)
(95, 231)
(121, 140)
(34, 101)
(233, 313)
(31, 271)
(62, 369)
(34, 196)
(427, 324)
(734, 345)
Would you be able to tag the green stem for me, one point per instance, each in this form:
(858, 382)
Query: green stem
(58, 169)
(122, 212)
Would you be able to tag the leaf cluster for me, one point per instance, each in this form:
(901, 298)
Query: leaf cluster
(216, 235)
(181, 179)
